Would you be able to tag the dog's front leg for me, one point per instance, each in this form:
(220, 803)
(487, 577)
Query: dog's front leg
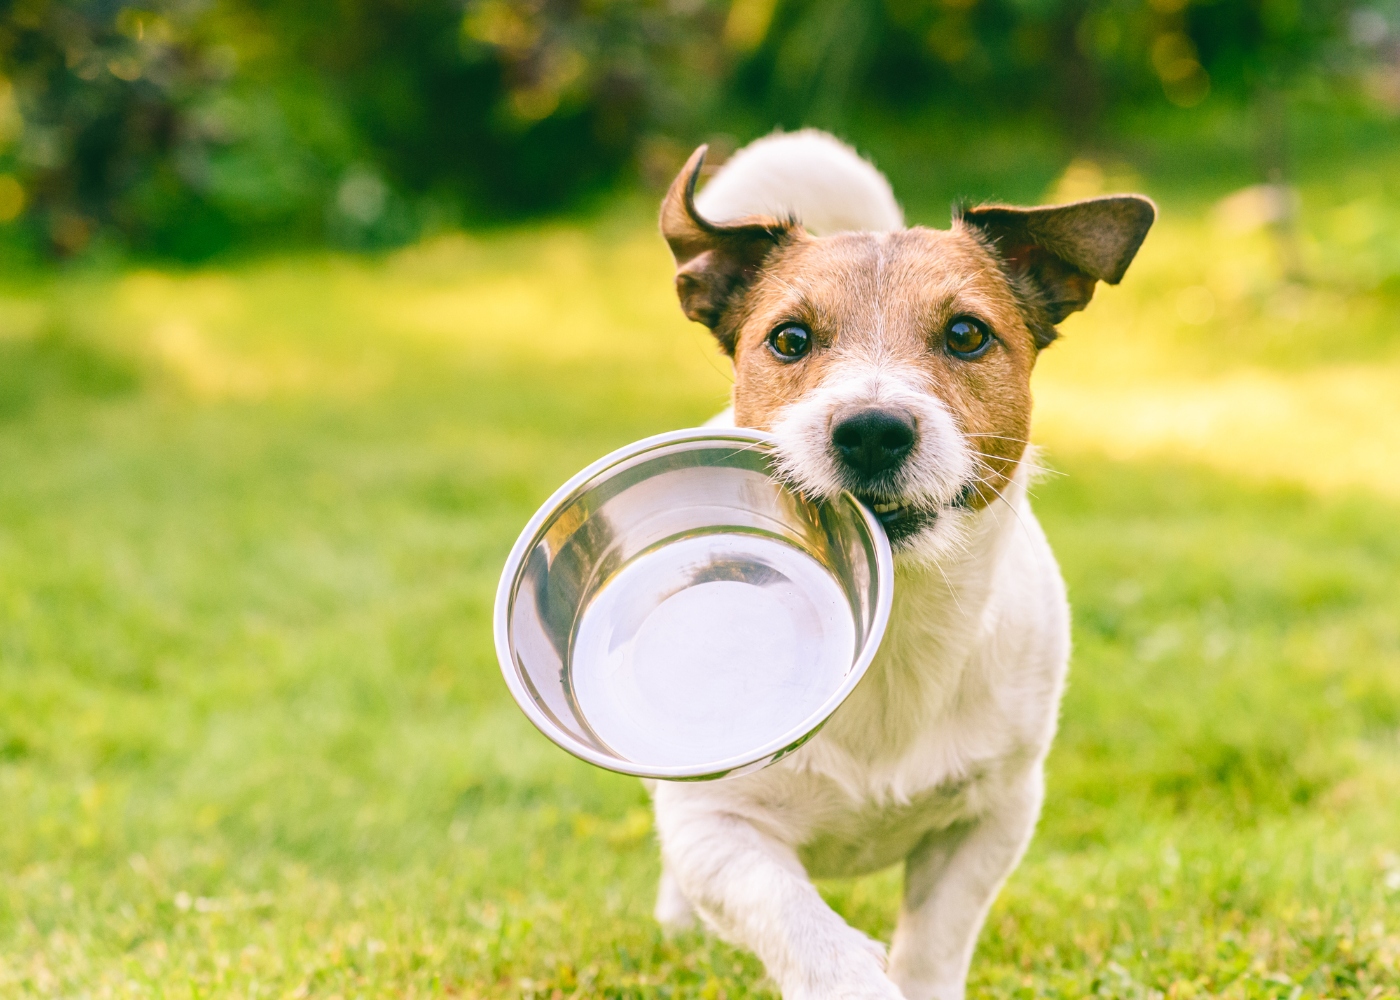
(751, 888)
(950, 880)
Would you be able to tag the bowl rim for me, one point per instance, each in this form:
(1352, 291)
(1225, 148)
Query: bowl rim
(749, 760)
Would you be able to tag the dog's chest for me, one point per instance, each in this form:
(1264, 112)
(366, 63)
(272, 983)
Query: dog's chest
(930, 743)
(856, 839)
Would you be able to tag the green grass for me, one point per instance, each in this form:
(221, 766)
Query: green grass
(253, 740)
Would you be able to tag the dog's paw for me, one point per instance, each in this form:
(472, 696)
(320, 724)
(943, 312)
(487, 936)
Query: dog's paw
(673, 911)
(856, 971)
(930, 989)
(885, 990)
(918, 980)
(873, 988)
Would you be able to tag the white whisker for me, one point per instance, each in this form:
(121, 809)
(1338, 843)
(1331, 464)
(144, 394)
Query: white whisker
(997, 437)
(1002, 497)
(1018, 461)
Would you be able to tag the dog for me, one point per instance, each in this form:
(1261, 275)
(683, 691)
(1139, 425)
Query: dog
(895, 363)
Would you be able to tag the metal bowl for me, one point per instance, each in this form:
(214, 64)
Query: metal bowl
(674, 611)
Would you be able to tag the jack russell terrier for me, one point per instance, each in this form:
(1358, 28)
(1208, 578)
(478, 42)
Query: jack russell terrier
(895, 363)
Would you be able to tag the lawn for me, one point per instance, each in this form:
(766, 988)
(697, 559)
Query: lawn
(253, 740)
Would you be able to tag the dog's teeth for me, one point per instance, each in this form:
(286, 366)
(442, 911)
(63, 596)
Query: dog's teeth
(885, 508)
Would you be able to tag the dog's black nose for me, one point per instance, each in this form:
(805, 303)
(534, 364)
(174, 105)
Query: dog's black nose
(873, 441)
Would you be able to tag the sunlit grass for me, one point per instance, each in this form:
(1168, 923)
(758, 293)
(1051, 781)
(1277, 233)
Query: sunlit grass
(252, 737)
(1204, 353)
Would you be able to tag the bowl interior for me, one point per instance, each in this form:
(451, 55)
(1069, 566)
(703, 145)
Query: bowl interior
(677, 612)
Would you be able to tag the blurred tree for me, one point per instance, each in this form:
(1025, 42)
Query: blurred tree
(97, 111)
(140, 123)
(184, 126)
(805, 60)
(504, 106)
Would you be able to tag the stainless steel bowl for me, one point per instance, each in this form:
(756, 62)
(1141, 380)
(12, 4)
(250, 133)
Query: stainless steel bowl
(673, 611)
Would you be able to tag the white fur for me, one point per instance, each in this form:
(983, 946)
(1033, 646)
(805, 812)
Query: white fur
(934, 474)
(936, 759)
(808, 175)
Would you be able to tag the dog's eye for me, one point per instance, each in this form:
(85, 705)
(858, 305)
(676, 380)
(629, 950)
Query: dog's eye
(968, 337)
(790, 342)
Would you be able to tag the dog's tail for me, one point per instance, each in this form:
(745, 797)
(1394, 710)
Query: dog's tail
(810, 176)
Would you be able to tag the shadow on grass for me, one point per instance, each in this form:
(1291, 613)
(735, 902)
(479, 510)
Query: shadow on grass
(57, 362)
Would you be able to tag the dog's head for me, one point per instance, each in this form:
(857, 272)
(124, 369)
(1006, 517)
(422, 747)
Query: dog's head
(896, 365)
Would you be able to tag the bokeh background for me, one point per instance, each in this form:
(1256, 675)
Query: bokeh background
(185, 129)
(305, 307)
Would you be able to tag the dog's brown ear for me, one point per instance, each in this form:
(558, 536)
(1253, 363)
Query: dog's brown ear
(1060, 251)
(714, 263)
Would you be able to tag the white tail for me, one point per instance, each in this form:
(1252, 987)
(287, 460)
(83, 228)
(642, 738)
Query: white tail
(809, 175)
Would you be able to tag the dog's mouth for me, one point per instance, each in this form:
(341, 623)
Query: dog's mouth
(903, 519)
(899, 518)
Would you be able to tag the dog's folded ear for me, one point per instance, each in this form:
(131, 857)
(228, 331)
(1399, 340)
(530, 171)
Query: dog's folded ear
(1060, 251)
(714, 262)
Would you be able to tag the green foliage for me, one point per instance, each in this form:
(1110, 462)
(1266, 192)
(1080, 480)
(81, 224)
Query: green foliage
(146, 124)
(1074, 61)
(180, 129)
(57, 364)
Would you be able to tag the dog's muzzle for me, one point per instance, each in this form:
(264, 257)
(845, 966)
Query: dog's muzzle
(872, 443)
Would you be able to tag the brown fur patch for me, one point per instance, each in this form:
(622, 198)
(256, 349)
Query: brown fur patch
(714, 263)
(1056, 254)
